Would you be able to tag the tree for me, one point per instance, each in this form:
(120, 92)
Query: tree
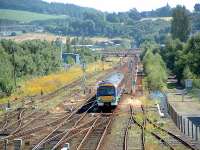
(192, 52)
(6, 73)
(112, 17)
(181, 25)
(70, 60)
(134, 14)
(197, 7)
(156, 71)
(187, 74)
(169, 52)
(173, 56)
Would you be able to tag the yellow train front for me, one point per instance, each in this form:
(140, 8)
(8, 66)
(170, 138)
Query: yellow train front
(110, 90)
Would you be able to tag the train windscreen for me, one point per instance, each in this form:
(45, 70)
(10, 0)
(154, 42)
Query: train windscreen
(106, 91)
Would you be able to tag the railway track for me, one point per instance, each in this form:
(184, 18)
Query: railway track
(24, 127)
(96, 134)
(15, 126)
(42, 98)
(132, 121)
(7, 117)
(143, 129)
(74, 127)
(27, 131)
(55, 93)
(158, 134)
(172, 135)
(63, 122)
(23, 121)
(18, 122)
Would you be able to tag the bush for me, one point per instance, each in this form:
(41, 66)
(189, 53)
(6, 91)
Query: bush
(196, 83)
(13, 34)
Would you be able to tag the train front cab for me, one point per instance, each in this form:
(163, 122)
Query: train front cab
(107, 95)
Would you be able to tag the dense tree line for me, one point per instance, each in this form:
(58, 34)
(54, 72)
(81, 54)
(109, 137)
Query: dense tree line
(183, 58)
(155, 69)
(37, 58)
(182, 54)
(138, 30)
(28, 58)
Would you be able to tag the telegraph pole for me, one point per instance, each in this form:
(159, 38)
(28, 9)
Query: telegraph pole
(84, 76)
(102, 59)
(95, 69)
(14, 65)
(60, 41)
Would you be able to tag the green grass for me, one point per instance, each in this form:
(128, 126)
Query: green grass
(195, 94)
(25, 16)
(3, 100)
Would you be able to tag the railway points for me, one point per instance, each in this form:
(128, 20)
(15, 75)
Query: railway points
(82, 124)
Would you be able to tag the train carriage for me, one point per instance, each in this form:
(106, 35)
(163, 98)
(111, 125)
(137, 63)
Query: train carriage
(110, 90)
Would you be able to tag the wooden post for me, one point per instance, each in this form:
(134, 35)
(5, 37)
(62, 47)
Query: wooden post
(192, 131)
(188, 127)
(196, 134)
(183, 125)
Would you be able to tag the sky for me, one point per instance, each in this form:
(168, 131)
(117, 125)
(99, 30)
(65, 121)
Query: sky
(125, 5)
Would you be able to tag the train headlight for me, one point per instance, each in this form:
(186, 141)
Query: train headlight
(113, 98)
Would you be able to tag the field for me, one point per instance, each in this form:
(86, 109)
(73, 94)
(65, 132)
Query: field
(25, 16)
(34, 36)
(156, 18)
(47, 36)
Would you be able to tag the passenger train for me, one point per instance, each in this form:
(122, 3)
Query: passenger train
(110, 90)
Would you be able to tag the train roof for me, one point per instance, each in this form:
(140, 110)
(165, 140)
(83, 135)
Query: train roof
(114, 79)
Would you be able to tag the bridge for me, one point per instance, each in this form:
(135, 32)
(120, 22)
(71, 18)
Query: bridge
(122, 53)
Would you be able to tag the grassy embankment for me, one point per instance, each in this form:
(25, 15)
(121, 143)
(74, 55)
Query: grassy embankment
(54, 81)
(26, 16)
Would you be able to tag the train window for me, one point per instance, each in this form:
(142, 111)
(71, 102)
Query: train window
(106, 91)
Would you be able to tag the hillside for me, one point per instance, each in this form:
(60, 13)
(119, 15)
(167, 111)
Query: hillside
(25, 16)
(72, 10)
(83, 21)
(40, 6)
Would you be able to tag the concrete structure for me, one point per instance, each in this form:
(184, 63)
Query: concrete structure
(76, 57)
(184, 109)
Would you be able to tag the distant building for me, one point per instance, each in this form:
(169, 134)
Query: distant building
(19, 29)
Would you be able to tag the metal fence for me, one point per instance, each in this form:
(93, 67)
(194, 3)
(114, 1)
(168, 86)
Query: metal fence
(185, 124)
